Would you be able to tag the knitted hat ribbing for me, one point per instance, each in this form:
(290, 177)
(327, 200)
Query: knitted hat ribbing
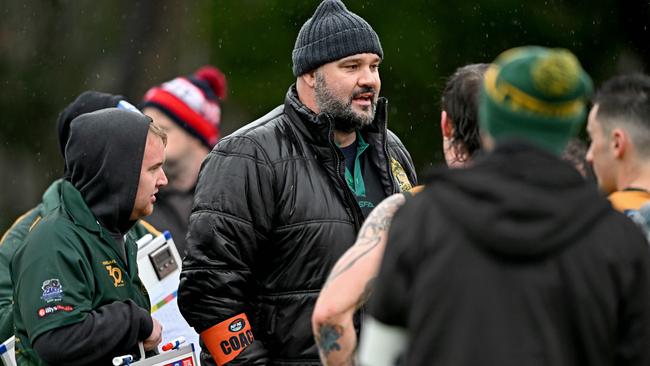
(333, 32)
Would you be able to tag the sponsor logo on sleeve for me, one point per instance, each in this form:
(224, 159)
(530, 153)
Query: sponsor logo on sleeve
(49, 310)
(52, 290)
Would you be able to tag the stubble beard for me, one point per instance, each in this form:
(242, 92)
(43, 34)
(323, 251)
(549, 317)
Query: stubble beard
(173, 169)
(345, 119)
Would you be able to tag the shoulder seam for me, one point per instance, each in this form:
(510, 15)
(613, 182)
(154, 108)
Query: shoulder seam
(18, 221)
(253, 141)
(230, 216)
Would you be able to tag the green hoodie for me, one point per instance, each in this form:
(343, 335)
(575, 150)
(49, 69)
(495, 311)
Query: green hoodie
(14, 238)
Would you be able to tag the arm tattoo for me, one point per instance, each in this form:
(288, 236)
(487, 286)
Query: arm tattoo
(371, 234)
(366, 292)
(328, 338)
(327, 341)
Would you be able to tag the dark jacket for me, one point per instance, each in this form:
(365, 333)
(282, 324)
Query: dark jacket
(272, 213)
(516, 261)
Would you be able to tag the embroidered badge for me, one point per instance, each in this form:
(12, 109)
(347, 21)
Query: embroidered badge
(114, 272)
(400, 175)
(52, 290)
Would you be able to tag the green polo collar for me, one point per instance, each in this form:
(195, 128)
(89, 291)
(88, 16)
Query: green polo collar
(52, 196)
(356, 183)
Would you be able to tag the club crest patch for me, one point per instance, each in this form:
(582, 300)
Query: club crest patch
(114, 272)
(52, 290)
(237, 325)
(400, 175)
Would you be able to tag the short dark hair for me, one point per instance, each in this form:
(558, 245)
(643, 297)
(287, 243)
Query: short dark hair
(575, 153)
(625, 100)
(460, 100)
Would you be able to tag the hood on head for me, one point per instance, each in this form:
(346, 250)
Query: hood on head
(104, 156)
(519, 201)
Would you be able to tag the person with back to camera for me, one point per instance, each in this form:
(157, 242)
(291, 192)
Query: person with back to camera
(516, 260)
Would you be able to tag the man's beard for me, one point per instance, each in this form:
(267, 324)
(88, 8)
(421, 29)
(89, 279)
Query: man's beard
(345, 119)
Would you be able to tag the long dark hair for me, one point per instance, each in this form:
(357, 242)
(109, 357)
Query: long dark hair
(460, 101)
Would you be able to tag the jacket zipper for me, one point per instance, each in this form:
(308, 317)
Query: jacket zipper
(387, 157)
(352, 202)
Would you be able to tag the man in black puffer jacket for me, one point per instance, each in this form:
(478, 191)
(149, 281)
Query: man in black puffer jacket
(278, 201)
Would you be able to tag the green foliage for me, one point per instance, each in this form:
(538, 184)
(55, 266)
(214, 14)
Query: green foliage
(50, 51)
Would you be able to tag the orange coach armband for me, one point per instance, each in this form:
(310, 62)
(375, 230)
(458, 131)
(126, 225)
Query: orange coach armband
(228, 339)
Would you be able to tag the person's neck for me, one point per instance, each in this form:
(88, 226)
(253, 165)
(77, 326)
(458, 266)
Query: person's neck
(635, 177)
(184, 182)
(344, 139)
(306, 95)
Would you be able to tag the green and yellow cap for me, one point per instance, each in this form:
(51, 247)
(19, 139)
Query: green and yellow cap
(535, 93)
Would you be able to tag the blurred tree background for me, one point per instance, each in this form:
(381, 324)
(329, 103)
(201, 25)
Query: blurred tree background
(52, 50)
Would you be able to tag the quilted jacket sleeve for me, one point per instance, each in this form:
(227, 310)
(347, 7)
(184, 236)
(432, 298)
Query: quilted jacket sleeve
(231, 217)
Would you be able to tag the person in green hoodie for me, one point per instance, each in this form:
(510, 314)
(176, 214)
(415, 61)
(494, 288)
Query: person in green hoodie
(77, 295)
(14, 237)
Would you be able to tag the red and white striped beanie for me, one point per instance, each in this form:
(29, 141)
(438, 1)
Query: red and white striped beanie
(193, 102)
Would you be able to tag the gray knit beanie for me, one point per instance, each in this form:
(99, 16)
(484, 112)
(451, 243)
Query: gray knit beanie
(330, 34)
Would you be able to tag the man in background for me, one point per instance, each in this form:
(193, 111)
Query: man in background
(619, 128)
(188, 109)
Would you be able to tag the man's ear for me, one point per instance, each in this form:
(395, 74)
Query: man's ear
(446, 127)
(309, 78)
(620, 142)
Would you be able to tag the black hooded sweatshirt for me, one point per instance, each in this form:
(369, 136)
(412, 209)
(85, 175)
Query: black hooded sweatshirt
(515, 261)
(103, 160)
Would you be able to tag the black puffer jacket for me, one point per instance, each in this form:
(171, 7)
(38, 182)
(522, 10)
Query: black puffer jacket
(272, 213)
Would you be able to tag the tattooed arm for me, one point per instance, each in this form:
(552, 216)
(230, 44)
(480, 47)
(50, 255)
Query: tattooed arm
(349, 286)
